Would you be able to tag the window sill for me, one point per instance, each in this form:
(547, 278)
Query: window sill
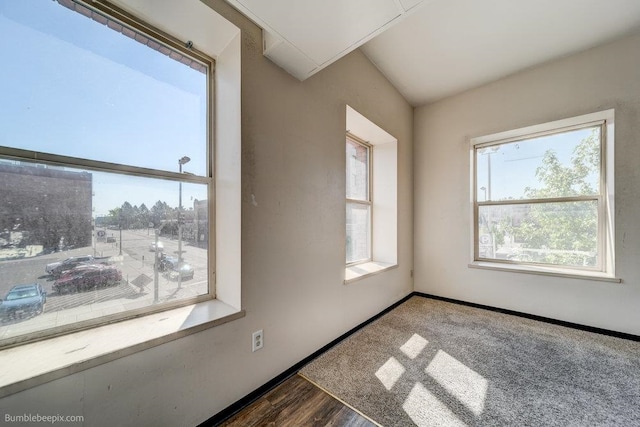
(566, 273)
(366, 269)
(68, 354)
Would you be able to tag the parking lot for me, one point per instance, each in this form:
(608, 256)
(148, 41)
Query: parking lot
(137, 289)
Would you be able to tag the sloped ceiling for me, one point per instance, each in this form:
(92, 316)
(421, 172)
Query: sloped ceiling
(435, 48)
(304, 36)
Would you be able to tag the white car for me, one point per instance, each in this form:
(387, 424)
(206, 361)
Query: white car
(160, 247)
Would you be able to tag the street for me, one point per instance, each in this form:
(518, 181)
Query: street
(137, 288)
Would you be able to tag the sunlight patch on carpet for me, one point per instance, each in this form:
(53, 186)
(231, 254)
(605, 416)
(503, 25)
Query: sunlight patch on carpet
(462, 382)
(414, 346)
(390, 373)
(426, 410)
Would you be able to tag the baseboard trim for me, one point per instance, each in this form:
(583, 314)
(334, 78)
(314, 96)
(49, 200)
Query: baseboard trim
(578, 326)
(247, 400)
(237, 406)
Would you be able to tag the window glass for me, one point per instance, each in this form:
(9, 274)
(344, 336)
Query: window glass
(357, 171)
(558, 165)
(540, 199)
(564, 233)
(104, 169)
(85, 86)
(358, 232)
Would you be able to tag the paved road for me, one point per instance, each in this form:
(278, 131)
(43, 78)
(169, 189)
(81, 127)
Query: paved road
(136, 260)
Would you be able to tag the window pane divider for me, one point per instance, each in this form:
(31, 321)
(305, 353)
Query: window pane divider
(96, 165)
(540, 134)
(361, 202)
(595, 197)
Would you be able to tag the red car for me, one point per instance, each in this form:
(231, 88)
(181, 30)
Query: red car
(85, 277)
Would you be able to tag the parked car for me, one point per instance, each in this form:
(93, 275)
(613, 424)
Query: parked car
(57, 268)
(184, 270)
(86, 277)
(166, 262)
(169, 264)
(159, 247)
(22, 301)
(111, 239)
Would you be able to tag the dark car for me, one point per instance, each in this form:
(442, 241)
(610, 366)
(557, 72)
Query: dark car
(184, 270)
(57, 268)
(85, 277)
(23, 301)
(170, 265)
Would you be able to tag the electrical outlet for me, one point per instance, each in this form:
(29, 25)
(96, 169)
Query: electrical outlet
(257, 340)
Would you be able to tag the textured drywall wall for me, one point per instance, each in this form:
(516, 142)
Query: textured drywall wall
(293, 222)
(594, 80)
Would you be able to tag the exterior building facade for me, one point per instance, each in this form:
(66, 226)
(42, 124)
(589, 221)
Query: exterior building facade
(45, 206)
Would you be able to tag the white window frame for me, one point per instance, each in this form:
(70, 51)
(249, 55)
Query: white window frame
(383, 185)
(112, 12)
(75, 352)
(368, 201)
(606, 232)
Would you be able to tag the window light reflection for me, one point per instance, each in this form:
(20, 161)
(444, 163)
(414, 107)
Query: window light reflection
(462, 382)
(426, 410)
(390, 373)
(414, 346)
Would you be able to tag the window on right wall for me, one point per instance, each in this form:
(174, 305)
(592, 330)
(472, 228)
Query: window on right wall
(543, 197)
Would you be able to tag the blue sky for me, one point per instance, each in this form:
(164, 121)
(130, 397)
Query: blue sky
(75, 87)
(513, 165)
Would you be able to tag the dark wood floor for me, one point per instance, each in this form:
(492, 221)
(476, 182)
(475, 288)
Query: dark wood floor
(297, 402)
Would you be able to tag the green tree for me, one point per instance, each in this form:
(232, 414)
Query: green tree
(565, 232)
(142, 220)
(158, 213)
(127, 216)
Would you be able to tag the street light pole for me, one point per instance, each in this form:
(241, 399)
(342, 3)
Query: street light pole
(181, 161)
(156, 265)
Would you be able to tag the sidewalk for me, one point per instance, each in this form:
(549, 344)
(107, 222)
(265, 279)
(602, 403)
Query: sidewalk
(135, 291)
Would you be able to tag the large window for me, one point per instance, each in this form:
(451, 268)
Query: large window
(106, 169)
(358, 200)
(543, 196)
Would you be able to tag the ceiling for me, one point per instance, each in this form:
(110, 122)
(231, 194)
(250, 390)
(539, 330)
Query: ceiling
(431, 49)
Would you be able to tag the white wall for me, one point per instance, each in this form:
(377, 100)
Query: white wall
(293, 255)
(594, 80)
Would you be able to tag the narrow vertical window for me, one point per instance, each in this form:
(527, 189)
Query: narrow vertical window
(358, 166)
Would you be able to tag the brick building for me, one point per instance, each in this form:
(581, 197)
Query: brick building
(201, 222)
(49, 206)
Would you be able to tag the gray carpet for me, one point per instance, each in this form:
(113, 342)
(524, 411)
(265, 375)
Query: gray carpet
(433, 363)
